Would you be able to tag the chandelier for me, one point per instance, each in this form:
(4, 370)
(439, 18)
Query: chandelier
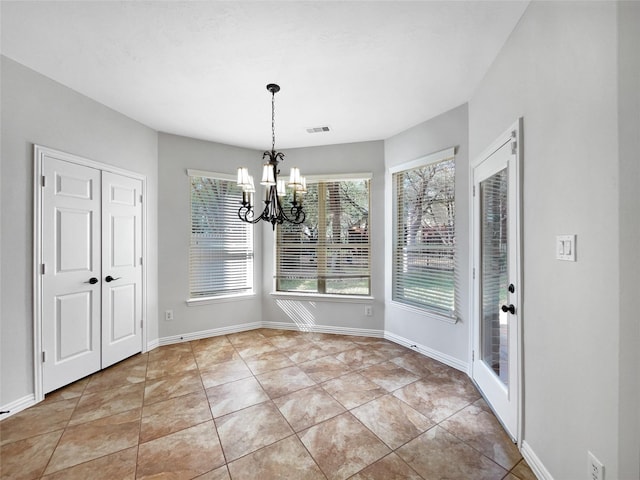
(275, 188)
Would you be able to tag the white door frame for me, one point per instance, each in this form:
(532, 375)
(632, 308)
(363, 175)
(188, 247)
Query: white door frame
(512, 134)
(39, 153)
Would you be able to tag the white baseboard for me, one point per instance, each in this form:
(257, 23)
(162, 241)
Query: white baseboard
(534, 462)
(429, 352)
(17, 406)
(214, 332)
(359, 332)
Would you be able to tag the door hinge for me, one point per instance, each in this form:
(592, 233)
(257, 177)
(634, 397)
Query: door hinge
(140, 260)
(44, 180)
(474, 273)
(141, 324)
(474, 190)
(42, 268)
(514, 148)
(44, 355)
(473, 355)
(140, 198)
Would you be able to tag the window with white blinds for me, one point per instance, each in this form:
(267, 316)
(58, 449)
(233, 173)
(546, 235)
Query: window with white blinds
(221, 249)
(424, 234)
(330, 252)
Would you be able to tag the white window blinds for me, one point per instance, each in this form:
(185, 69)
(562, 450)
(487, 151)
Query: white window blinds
(329, 253)
(424, 235)
(221, 249)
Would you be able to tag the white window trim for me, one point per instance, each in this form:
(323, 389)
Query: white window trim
(389, 241)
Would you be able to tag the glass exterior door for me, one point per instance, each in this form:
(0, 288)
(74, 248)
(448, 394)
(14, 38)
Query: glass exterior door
(496, 262)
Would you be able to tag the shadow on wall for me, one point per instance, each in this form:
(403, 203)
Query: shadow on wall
(299, 313)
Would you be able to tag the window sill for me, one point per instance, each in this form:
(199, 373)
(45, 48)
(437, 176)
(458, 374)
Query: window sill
(321, 297)
(424, 313)
(194, 302)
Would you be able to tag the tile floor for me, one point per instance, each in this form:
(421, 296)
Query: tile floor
(265, 404)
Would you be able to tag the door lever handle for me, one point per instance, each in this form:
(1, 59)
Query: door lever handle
(109, 278)
(92, 281)
(511, 309)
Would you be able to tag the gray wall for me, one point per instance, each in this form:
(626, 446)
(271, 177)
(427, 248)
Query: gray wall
(345, 158)
(629, 221)
(558, 71)
(38, 110)
(175, 155)
(447, 341)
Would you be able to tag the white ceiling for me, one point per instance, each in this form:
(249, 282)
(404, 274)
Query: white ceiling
(367, 69)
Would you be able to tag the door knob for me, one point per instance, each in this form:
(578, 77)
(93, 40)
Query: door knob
(109, 278)
(511, 309)
(93, 280)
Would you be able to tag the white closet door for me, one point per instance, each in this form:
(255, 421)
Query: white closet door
(71, 280)
(121, 267)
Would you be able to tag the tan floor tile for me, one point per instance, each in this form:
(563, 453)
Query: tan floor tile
(235, 396)
(448, 458)
(74, 390)
(390, 467)
(250, 429)
(95, 439)
(245, 338)
(129, 371)
(109, 402)
(523, 471)
(285, 459)
(172, 386)
(120, 465)
(286, 342)
(169, 350)
(304, 353)
(255, 348)
(342, 446)
(207, 359)
(307, 407)
(389, 349)
(181, 455)
(42, 418)
(224, 373)
(218, 474)
(324, 368)
(360, 357)
(210, 344)
(169, 416)
(415, 363)
(268, 362)
(27, 459)
(173, 364)
(336, 345)
(392, 420)
(477, 426)
(437, 400)
(353, 390)
(389, 375)
(284, 381)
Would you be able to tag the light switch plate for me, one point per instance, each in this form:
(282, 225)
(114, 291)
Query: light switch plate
(566, 247)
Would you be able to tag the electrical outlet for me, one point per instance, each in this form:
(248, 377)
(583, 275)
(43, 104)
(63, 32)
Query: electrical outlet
(595, 468)
(368, 311)
(168, 315)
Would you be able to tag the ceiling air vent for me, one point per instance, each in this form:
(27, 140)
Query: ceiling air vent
(317, 129)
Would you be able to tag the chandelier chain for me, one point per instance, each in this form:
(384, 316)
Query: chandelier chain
(273, 121)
